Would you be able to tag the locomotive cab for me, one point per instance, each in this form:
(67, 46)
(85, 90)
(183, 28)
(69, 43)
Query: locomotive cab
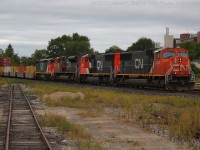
(174, 66)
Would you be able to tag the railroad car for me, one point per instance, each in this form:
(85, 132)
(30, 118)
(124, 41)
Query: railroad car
(6, 61)
(172, 69)
(21, 70)
(6, 71)
(42, 69)
(163, 68)
(30, 72)
(58, 68)
(167, 68)
(13, 70)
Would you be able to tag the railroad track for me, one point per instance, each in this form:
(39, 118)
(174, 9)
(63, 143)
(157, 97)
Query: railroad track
(23, 130)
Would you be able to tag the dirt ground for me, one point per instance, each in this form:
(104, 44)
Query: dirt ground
(114, 134)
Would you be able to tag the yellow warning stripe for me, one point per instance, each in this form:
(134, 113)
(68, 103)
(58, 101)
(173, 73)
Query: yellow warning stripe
(42, 73)
(94, 73)
(144, 75)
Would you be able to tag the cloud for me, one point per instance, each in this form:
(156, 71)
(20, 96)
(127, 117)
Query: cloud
(30, 24)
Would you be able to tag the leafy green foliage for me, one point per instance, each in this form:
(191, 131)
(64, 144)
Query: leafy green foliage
(1, 53)
(9, 52)
(25, 61)
(67, 45)
(113, 49)
(39, 54)
(195, 69)
(141, 45)
(193, 48)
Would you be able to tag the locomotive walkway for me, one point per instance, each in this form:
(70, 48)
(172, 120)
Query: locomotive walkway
(23, 130)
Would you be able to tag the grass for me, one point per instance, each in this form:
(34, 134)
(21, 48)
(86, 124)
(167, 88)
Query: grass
(180, 116)
(73, 131)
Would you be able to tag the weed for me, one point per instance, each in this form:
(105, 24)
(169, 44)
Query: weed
(73, 131)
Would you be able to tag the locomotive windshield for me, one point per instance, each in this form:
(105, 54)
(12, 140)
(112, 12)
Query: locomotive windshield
(167, 55)
(184, 54)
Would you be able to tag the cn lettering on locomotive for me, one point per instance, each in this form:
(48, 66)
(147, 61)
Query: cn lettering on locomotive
(139, 63)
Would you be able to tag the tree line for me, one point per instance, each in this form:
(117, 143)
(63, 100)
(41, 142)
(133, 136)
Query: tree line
(68, 45)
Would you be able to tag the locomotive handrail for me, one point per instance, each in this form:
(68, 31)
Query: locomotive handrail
(167, 75)
(192, 77)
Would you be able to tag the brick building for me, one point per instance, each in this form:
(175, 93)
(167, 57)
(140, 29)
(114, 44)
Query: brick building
(187, 37)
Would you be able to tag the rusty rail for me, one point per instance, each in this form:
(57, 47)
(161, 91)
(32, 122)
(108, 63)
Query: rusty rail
(7, 139)
(43, 137)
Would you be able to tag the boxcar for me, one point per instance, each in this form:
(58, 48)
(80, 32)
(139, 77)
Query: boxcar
(6, 61)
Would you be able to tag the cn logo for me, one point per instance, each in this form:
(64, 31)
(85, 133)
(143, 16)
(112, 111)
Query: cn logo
(139, 63)
(99, 65)
(41, 66)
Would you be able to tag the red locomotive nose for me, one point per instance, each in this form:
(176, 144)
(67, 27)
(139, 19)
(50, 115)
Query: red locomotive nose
(180, 66)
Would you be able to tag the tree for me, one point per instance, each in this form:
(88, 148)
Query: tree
(113, 49)
(1, 52)
(37, 55)
(67, 45)
(9, 52)
(193, 49)
(25, 61)
(142, 44)
(15, 60)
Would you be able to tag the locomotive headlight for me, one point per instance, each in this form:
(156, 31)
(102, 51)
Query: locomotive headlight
(180, 60)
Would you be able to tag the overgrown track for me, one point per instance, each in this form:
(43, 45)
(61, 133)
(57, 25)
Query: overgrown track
(23, 130)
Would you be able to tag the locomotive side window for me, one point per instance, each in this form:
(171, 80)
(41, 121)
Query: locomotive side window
(184, 54)
(158, 55)
(167, 55)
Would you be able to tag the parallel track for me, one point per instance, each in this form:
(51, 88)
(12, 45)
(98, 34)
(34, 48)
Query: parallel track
(23, 129)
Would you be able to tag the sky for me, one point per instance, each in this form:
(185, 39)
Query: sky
(29, 24)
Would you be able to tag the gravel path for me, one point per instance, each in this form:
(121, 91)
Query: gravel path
(116, 135)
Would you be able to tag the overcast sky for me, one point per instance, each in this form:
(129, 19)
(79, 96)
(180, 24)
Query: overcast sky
(30, 24)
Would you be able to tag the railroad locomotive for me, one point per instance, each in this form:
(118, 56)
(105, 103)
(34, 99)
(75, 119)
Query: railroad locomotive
(163, 68)
(167, 68)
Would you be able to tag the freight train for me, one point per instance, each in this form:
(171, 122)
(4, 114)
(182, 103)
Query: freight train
(163, 68)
